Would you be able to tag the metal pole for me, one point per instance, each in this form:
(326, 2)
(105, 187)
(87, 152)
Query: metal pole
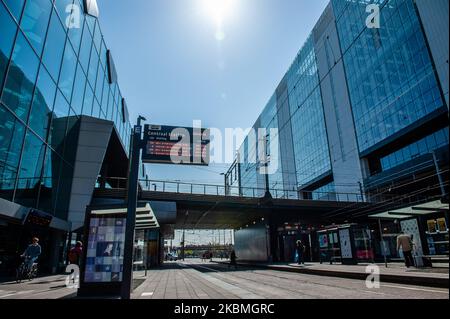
(382, 243)
(183, 244)
(133, 174)
(225, 183)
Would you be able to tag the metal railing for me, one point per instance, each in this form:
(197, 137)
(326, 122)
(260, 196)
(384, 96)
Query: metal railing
(179, 187)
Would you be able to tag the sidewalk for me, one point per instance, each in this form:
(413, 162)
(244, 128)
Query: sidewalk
(48, 287)
(394, 273)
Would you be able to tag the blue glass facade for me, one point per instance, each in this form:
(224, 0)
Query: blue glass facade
(312, 157)
(391, 80)
(422, 147)
(50, 74)
(299, 95)
(393, 106)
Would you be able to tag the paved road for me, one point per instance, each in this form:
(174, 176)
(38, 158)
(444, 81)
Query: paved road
(197, 280)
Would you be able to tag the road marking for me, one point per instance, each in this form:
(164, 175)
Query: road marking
(416, 289)
(17, 293)
(147, 294)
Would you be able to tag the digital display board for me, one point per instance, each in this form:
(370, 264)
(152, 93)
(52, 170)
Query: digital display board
(175, 145)
(36, 217)
(105, 250)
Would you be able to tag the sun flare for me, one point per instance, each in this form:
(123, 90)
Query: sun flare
(218, 10)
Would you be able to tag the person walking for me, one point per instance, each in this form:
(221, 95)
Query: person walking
(75, 254)
(300, 252)
(233, 259)
(404, 242)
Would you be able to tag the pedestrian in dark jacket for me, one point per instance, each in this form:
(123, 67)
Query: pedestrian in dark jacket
(233, 259)
(300, 252)
(75, 254)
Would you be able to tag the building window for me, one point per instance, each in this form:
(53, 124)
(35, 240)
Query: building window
(21, 78)
(11, 140)
(67, 76)
(15, 6)
(35, 22)
(42, 107)
(417, 149)
(54, 47)
(9, 29)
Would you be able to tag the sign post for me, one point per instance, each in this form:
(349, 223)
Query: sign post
(161, 144)
(133, 175)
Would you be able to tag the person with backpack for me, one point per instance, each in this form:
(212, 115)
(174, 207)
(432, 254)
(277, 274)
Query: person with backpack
(75, 254)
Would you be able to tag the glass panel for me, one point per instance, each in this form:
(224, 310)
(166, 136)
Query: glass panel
(103, 55)
(98, 37)
(32, 161)
(68, 72)
(85, 50)
(61, 108)
(99, 85)
(54, 47)
(16, 7)
(63, 7)
(11, 140)
(78, 91)
(76, 30)
(21, 78)
(88, 100)
(59, 123)
(35, 22)
(41, 110)
(95, 109)
(50, 179)
(9, 29)
(71, 138)
(93, 65)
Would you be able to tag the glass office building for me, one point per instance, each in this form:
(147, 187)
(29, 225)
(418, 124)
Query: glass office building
(362, 114)
(54, 68)
(296, 112)
(382, 87)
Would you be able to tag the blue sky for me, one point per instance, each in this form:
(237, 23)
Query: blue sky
(173, 69)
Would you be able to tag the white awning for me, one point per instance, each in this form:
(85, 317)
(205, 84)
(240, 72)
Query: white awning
(413, 211)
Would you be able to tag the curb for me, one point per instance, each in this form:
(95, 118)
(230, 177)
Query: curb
(397, 279)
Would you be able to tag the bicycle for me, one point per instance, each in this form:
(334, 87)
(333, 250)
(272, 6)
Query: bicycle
(25, 272)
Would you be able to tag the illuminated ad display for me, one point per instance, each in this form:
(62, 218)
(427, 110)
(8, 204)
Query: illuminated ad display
(104, 258)
(175, 145)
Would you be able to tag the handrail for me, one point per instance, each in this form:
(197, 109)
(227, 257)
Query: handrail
(180, 187)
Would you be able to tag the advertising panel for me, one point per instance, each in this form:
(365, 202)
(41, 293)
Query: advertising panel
(104, 258)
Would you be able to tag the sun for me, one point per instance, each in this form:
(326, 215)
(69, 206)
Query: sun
(218, 10)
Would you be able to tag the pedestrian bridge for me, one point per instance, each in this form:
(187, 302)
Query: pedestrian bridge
(178, 187)
(202, 206)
